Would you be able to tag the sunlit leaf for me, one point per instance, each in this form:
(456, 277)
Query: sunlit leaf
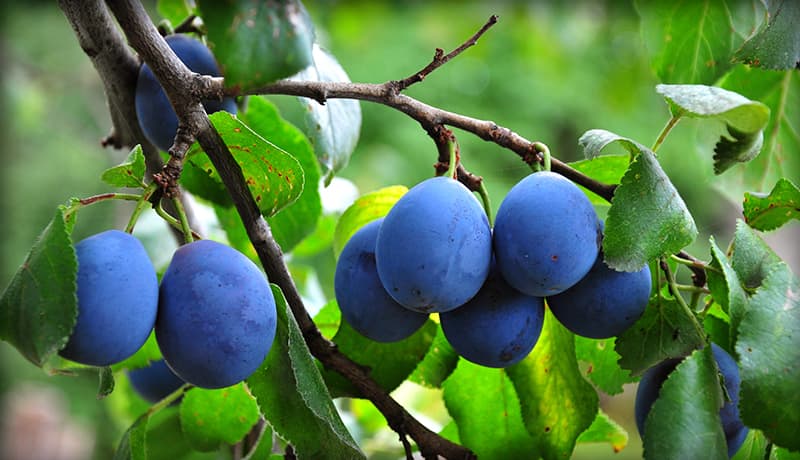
(777, 45)
(237, 32)
(558, 404)
(607, 169)
(770, 211)
(333, 127)
(213, 417)
(647, 219)
(133, 443)
(688, 42)
(769, 350)
(595, 140)
(751, 258)
(727, 289)
(684, 420)
(603, 429)
(601, 364)
(366, 208)
(38, 308)
(175, 11)
(129, 173)
(438, 363)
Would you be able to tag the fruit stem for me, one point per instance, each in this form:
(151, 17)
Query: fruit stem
(673, 288)
(169, 399)
(487, 204)
(144, 200)
(173, 221)
(453, 162)
(540, 147)
(667, 128)
(184, 220)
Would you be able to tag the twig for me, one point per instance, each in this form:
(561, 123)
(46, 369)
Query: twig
(439, 58)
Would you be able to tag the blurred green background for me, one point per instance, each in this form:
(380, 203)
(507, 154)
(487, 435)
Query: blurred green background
(547, 70)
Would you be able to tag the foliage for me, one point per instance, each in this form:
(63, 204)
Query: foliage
(726, 67)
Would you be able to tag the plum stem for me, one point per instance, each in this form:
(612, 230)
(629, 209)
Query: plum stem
(545, 151)
(453, 159)
(487, 204)
(665, 131)
(144, 200)
(184, 221)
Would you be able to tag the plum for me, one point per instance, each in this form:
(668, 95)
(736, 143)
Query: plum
(216, 315)
(604, 303)
(156, 116)
(546, 235)
(155, 381)
(117, 293)
(496, 328)
(650, 385)
(364, 303)
(434, 247)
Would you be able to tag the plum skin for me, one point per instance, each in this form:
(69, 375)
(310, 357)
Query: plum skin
(117, 293)
(496, 328)
(434, 247)
(604, 303)
(216, 315)
(365, 304)
(156, 116)
(155, 381)
(546, 235)
(650, 385)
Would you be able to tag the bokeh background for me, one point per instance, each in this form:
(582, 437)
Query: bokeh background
(548, 70)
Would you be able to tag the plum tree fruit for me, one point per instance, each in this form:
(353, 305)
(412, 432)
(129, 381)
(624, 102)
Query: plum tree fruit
(650, 385)
(156, 116)
(117, 293)
(434, 247)
(155, 381)
(604, 303)
(546, 235)
(496, 328)
(365, 304)
(216, 315)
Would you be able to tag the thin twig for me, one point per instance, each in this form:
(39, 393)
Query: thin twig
(439, 58)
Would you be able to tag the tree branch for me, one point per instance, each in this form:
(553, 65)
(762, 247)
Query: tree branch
(181, 87)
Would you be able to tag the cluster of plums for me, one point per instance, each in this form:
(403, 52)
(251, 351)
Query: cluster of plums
(153, 109)
(435, 252)
(213, 313)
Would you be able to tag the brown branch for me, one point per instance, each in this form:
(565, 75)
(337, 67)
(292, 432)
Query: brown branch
(439, 59)
(181, 87)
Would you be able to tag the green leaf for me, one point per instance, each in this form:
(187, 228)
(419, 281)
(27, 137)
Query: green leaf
(664, 331)
(726, 289)
(210, 418)
(38, 308)
(595, 140)
(768, 212)
(647, 218)
(389, 363)
(438, 363)
(293, 397)
(780, 91)
(484, 406)
(777, 45)
(148, 353)
(175, 11)
(603, 429)
(607, 169)
(275, 177)
(106, 385)
(557, 403)
(717, 325)
(133, 443)
(364, 210)
(684, 420)
(333, 127)
(263, 445)
(257, 43)
(328, 319)
(295, 222)
(745, 119)
(753, 448)
(688, 42)
(769, 350)
(751, 257)
(130, 173)
(602, 366)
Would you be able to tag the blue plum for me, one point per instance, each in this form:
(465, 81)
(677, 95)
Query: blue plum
(154, 382)
(650, 385)
(216, 315)
(434, 247)
(604, 303)
(546, 235)
(364, 303)
(496, 328)
(117, 292)
(155, 113)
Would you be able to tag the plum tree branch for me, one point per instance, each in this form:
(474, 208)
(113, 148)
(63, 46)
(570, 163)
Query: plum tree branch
(178, 81)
